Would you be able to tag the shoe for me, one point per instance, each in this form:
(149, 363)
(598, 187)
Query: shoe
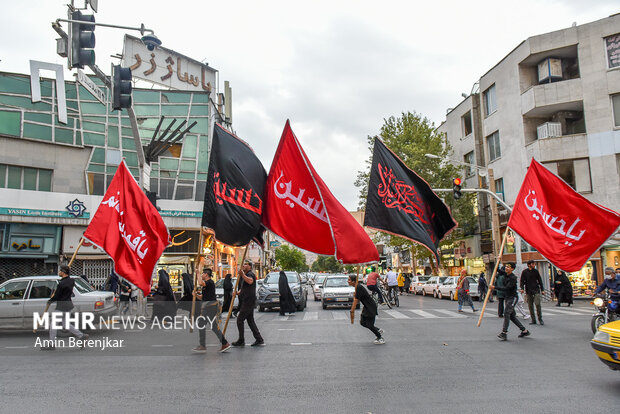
(48, 348)
(199, 350)
(500, 316)
(559, 305)
(523, 333)
(541, 321)
(475, 310)
(460, 310)
(381, 332)
(379, 341)
(503, 336)
(533, 322)
(258, 343)
(526, 317)
(225, 347)
(238, 343)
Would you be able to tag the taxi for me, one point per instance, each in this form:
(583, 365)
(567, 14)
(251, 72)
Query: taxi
(606, 344)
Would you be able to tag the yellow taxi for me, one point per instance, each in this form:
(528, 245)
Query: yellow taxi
(606, 344)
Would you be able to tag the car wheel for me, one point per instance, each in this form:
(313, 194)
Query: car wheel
(324, 306)
(439, 295)
(261, 309)
(316, 299)
(597, 321)
(434, 293)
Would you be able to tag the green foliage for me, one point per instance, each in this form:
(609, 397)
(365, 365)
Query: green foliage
(326, 264)
(410, 137)
(290, 258)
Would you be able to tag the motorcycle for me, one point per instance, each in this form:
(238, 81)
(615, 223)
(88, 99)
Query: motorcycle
(607, 311)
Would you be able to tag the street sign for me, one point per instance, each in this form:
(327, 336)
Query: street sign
(90, 86)
(274, 244)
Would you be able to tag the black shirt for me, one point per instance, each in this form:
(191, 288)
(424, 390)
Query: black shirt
(370, 307)
(532, 281)
(248, 292)
(63, 293)
(208, 291)
(509, 287)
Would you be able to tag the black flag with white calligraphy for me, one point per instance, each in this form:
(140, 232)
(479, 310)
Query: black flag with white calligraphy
(233, 202)
(402, 203)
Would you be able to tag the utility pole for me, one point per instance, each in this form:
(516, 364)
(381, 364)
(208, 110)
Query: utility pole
(494, 217)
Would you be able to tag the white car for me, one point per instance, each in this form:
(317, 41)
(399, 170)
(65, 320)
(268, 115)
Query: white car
(23, 296)
(448, 288)
(431, 287)
(417, 282)
(337, 292)
(317, 286)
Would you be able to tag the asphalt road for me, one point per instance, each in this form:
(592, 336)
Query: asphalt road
(435, 361)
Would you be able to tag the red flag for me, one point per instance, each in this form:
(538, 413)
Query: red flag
(129, 228)
(561, 224)
(300, 208)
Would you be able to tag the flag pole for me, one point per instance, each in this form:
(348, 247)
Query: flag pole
(197, 261)
(232, 301)
(357, 280)
(76, 251)
(489, 291)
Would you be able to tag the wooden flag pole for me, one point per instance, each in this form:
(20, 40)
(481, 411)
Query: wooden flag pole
(489, 291)
(357, 280)
(232, 301)
(76, 251)
(195, 290)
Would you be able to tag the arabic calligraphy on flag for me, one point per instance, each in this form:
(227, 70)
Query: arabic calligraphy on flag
(129, 228)
(300, 208)
(565, 227)
(233, 202)
(400, 202)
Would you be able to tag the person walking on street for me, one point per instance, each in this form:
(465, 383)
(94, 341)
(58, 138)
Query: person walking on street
(483, 288)
(287, 300)
(64, 305)
(499, 283)
(247, 302)
(371, 282)
(210, 314)
(125, 297)
(228, 291)
(401, 283)
(462, 286)
(407, 283)
(532, 282)
(510, 299)
(392, 282)
(369, 311)
(563, 289)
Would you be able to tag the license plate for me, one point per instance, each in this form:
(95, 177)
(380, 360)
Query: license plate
(341, 299)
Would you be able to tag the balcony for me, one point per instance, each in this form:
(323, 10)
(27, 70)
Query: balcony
(558, 148)
(541, 101)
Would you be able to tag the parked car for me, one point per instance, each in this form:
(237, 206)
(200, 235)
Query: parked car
(219, 293)
(417, 282)
(21, 297)
(268, 295)
(448, 288)
(606, 344)
(431, 287)
(337, 292)
(317, 286)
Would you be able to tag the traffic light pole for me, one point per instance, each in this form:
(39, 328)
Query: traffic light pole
(476, 190)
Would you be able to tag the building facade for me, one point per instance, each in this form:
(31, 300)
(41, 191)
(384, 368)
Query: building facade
(554, 98)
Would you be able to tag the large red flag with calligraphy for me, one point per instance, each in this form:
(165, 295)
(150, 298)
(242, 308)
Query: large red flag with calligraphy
(300, 208)
(561, 224)
(129, 228)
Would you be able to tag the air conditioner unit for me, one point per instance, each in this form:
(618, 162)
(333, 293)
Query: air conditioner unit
(550, 70)
(549, 130)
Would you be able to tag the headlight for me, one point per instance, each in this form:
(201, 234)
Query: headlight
(601, 336)
(328, 295)
(598, 302)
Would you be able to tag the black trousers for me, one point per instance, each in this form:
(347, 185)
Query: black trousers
(210, 312)
(500, 307)
(511, 315)
(247, 313)
(368, 321)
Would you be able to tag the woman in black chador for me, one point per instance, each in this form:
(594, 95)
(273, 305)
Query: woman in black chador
(164, 303)
(185, 302)
(287, 301)
(563, 289)
(228, 290)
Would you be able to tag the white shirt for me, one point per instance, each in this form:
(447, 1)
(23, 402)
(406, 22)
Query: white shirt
(392, 279)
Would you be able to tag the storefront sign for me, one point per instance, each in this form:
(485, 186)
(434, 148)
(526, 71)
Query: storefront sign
(172, 213)
(274, 244)
(90, 86)
(26, 244)
(166, 67)
(39, 213)
(71, 236)
(183, 241)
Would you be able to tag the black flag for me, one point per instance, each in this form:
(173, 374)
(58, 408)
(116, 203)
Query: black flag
(234, 195)
(402, 203)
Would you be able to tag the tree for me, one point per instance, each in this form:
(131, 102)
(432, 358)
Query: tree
(326, 264)
(290, 258)
(410, 137)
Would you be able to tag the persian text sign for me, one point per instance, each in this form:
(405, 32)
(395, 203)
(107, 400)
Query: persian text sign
(166, 67)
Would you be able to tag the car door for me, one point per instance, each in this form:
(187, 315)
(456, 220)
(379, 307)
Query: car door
(12, 295)
(40, 291)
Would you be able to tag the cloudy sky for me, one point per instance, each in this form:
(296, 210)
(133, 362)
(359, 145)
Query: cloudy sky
(335, 68)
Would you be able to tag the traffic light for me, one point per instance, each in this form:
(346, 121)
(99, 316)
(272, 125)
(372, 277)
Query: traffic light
(152, 196)
(121, 87)
(81, 40)
(456, 188)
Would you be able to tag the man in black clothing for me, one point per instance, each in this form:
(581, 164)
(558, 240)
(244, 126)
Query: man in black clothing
(210, 313)
(247, 303)
(510, 300)
(369, 312)
(531, 280)
(62, 297)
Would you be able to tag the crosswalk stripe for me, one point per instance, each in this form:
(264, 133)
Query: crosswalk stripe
(561, 311)
(282, 318)
(450, 313)
(339, 315)
(396, 314)
(423, 314)
(311, 316)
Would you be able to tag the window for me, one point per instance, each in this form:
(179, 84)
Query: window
(42, 289)
(575, 173)
(25, 178)
(14, 290)
(467, 126)
(469, 159)
(612, 45)
(499, 188)
(615, 103)
(493, 146)
(490, 103)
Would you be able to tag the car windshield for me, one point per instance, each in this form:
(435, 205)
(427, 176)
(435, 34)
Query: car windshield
(336, 282)
(319, 279)
(82, 286)
(274, 278)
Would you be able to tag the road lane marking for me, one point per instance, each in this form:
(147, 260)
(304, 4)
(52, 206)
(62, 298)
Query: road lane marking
(450, 313)
(311, 316)
(286, 329)
(301, 343)
(162, 346)
(339, 315)
(281, 318)
(562, 312)
(423, 314)
(17, 347)
(396, 315)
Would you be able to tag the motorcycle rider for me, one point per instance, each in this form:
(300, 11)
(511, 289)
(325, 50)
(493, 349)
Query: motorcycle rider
(611, 283)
